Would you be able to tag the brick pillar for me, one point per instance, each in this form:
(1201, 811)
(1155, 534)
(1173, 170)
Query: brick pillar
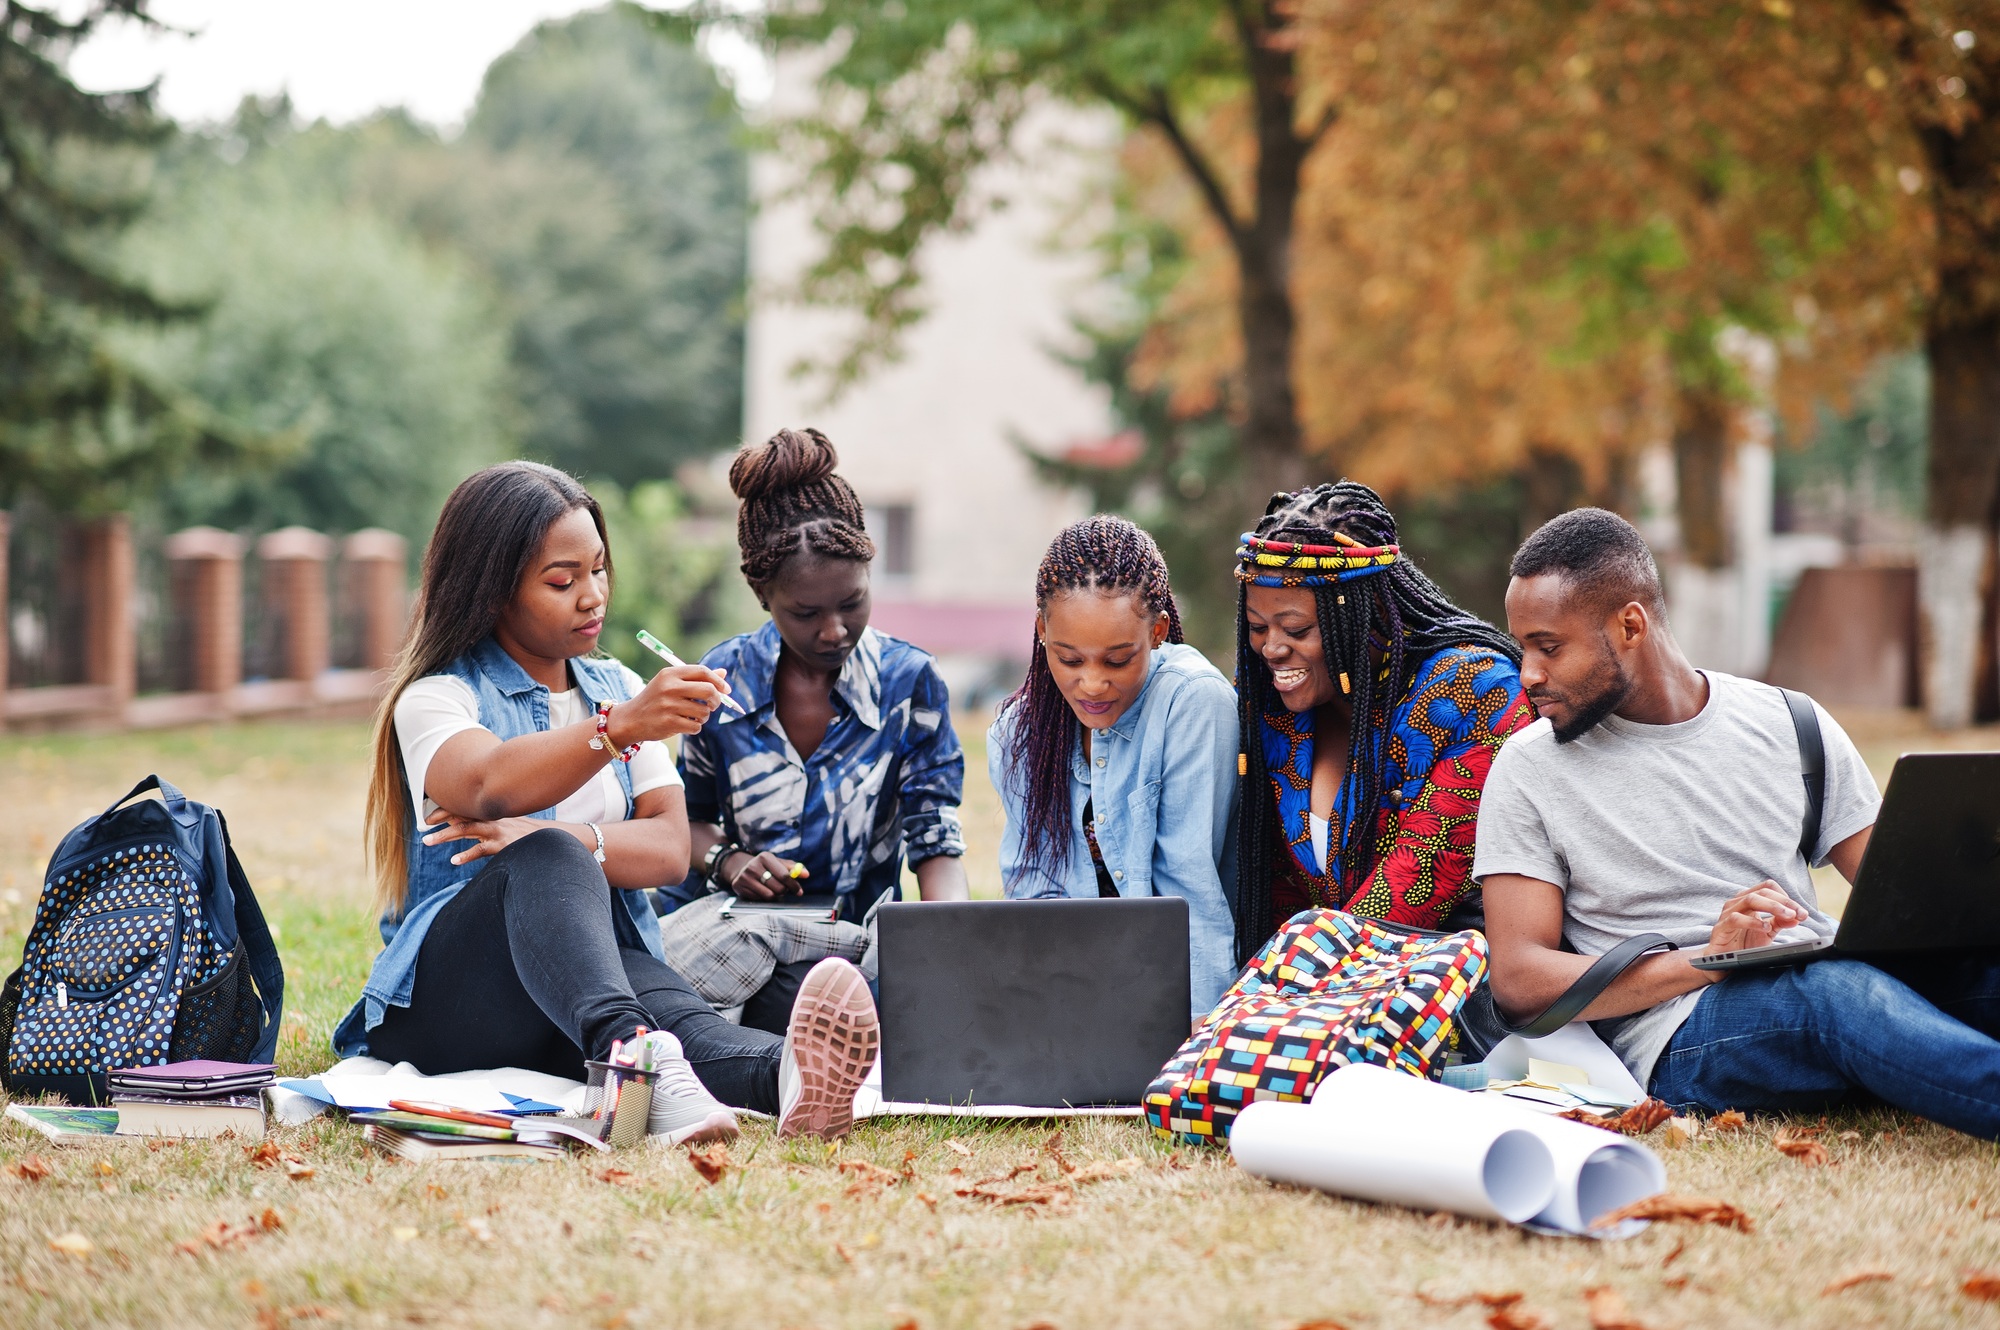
(374, 566)
(111, 647)
(294, 591)
(207, 577)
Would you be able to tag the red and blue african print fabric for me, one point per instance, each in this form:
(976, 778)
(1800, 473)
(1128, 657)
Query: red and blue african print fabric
(1328, 990)
(1439, 745)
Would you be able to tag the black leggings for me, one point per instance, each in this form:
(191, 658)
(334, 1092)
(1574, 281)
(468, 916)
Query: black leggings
(523, 968)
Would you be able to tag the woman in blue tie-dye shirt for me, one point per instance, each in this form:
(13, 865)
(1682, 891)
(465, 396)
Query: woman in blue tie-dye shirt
(843, 761)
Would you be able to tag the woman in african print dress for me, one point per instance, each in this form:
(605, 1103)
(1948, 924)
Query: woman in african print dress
(1370, 709)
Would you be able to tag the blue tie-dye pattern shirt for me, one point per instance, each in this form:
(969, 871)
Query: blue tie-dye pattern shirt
(883, 785)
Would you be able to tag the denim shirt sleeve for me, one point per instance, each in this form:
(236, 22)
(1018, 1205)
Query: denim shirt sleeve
(1197, 806)
(933, 773)
(1019, 880)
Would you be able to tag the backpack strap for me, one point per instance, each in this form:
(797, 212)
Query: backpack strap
(1603, 972)
(259, 951)
(1812, 765)
(160, 783)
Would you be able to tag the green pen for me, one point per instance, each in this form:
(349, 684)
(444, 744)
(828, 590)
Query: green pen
(659, 648)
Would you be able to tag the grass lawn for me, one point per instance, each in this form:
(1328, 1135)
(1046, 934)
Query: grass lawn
(796, 1234)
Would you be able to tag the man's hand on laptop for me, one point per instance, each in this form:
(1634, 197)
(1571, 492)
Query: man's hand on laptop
(1752, 919)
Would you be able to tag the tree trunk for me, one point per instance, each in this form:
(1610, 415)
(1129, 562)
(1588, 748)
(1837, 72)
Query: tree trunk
(1963, 508)
(1271, 439)
(1551, 485)
(1701, 471)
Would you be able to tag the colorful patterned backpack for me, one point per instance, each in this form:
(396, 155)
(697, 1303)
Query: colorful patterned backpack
(148, 947)
(1329, 989)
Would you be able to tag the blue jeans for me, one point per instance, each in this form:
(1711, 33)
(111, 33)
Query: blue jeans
(1915, 1032)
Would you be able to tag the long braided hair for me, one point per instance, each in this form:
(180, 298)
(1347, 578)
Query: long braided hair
(793, 503)
(1097, 554)
(1375, 630)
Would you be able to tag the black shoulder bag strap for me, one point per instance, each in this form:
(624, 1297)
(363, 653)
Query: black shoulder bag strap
(1603, 972)
(1812, 764)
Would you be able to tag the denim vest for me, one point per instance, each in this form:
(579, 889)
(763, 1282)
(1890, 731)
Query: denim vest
(511, 704)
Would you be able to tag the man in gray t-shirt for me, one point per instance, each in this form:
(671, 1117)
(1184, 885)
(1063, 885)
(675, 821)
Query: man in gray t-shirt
(1652, 797)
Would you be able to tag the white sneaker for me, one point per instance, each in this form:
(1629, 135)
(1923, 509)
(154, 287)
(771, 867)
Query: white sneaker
(683, 1109)
(829, 1046)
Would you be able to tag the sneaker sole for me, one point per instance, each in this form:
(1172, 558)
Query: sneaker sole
(714, 1127)
(834, 1034)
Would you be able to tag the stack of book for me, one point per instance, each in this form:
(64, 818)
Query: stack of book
(191, 1099)
(420, 1131)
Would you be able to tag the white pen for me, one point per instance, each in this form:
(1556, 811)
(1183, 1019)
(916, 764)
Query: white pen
(659, 648)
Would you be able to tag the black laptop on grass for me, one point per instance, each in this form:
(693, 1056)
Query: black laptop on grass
(1046, 1003)
(1930, 879)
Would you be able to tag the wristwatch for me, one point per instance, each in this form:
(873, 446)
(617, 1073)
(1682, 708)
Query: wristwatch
(597, 831)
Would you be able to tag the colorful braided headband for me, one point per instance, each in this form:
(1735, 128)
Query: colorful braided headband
(1286, 563)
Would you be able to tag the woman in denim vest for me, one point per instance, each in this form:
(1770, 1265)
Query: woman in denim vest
(1116, 760)
(523, 802)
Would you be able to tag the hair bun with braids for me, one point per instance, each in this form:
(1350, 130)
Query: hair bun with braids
(793, 502)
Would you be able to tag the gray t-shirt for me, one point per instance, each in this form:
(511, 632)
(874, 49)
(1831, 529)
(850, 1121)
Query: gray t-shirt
(1650, 828)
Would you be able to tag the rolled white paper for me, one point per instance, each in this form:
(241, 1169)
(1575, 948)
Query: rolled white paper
(1387, 1136)
(1418, 1132)
(1597, 1171)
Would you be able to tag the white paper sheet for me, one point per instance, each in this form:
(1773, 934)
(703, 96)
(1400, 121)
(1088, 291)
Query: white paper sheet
(1388, 1136)
(869, 1103)
(1577, 1045)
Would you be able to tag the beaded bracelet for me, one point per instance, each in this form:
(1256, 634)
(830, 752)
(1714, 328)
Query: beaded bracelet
(602, 739)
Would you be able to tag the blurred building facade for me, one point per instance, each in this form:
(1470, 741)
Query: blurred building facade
(936, 442)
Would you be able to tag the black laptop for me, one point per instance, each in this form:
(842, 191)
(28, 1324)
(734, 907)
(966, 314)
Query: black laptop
(1046, 1003)
(1930, 879)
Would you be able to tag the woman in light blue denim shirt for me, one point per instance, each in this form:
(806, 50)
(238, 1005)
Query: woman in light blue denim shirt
(1116, 759)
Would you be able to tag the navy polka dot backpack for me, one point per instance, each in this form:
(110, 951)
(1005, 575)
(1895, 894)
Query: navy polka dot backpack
(148, 947)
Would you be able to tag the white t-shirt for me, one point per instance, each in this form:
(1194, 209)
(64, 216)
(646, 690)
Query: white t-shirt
(437, 706)
(1650, 828)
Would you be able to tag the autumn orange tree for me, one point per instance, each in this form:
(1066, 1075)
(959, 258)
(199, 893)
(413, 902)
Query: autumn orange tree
(1943, 59)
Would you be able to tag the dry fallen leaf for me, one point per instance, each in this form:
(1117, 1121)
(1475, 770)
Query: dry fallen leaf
(1321, 1324)
(1850, 1136)
(1516, 1316)
(1634, 1121)
(958, 1147)
(1730, 1120)
(1608, 1310)
(73, 1245)
(927, 1199)
(617, 1177)
(297, 1169)
(32, 1169)
(869, 1179)
(106, 1168)
(263, 1154)
(1981, 1284)
(1685, 1209)
(711, 1163)
(1858, 1277)
(1682, 1131)
(435, 1192)
(1798, 1143)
